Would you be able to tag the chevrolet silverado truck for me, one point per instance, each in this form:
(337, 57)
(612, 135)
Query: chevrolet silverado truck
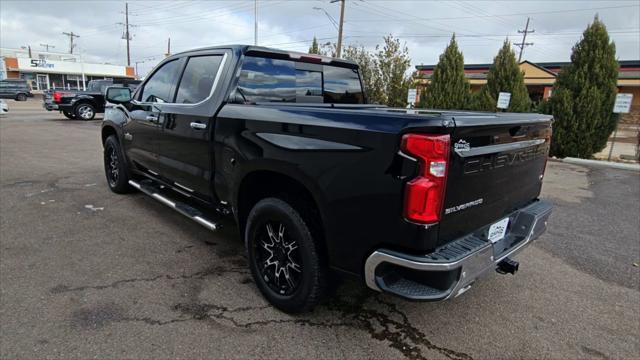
(82, 105)
(416, 203)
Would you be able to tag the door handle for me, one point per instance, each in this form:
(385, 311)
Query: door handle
(198, 126)
(152, 118)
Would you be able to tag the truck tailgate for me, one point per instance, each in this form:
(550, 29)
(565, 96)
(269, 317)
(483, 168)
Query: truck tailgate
(497, 162)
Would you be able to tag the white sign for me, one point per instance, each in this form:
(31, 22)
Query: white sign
(411, 96)
(623, 103)
(69, 67)
(503, 100)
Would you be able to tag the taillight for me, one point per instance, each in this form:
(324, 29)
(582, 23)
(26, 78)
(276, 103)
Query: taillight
(57, 97)
(424, 195)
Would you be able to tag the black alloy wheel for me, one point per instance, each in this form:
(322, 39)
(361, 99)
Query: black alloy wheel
(285, 258)
(114, 167)
(278, 257)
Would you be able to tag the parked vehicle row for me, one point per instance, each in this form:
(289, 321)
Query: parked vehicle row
(419, 204)
(16, 89)
(83, 105)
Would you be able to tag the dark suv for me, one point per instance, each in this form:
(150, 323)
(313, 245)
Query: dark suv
(17, 89)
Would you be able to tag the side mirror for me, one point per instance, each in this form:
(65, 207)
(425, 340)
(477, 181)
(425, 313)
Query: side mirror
(118, 95)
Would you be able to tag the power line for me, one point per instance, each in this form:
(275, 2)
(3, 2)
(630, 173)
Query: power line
(524, 42)
(498, 15)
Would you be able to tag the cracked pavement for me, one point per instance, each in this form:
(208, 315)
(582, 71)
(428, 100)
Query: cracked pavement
(86, 273)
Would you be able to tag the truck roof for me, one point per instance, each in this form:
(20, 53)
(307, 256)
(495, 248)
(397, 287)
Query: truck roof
(261, 50)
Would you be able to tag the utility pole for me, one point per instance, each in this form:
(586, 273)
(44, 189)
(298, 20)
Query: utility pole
(339, 47)
(47, 46)
(255, 22)
(126, 25)
(126, 35)
(524, 42)
(71, 35)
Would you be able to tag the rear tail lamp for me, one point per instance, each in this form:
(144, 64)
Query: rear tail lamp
(424, 195)
(57, 96)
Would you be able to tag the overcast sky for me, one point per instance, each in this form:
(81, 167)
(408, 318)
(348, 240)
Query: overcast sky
(425, 26)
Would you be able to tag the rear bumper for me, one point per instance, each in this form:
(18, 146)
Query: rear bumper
(50, 106)
(452, 269)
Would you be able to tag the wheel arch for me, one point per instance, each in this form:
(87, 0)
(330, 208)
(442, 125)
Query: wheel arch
(260, 184)
(108, 130)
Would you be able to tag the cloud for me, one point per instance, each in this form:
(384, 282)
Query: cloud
(426, 27)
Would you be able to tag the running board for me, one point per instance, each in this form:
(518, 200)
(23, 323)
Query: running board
(148, 187)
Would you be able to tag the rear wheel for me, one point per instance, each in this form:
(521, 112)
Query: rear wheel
(284, 257)
(85, 111)
(21, 97)
(115, 167)
(69, 115)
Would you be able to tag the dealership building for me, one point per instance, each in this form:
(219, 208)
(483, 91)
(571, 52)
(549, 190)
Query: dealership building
(51, 71)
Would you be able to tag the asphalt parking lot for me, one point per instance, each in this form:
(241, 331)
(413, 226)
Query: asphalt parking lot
(85, 273)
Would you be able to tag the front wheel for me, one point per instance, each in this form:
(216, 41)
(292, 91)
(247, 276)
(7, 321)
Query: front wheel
(21, 97)
(284, 257)
(115, 167)
(85, 112)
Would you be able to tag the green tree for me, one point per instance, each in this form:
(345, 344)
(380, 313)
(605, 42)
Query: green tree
(392, 62)
(583, 96)
(504, 76)
(448, 89)
(314, 48)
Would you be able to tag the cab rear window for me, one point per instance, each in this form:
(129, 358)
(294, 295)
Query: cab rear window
(265, 79)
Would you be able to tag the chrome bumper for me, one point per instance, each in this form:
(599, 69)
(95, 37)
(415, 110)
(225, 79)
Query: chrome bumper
(462, 261)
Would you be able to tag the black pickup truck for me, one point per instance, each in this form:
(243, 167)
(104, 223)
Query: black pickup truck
(83, 104)
(419, 204)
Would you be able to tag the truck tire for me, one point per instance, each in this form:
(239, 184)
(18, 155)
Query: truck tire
(69, 115)
(85, 111)
(284, 257)
(21, 97)
(115, 168)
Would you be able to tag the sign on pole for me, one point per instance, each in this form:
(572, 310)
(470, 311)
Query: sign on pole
(503, 100)
(411, 96)
(622, 104)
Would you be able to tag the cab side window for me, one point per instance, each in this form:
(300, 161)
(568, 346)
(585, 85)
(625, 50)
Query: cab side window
(197, 79)
(159, 87)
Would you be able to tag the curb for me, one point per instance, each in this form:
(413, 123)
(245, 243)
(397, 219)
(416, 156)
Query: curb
(601, 163)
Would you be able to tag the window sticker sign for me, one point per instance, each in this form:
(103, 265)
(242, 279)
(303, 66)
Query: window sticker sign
(503, 100)
(622, 104)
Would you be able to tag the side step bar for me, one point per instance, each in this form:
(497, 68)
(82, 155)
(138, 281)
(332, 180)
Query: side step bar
(149, 188)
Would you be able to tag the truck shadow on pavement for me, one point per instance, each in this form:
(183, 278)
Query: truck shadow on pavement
(352, 305)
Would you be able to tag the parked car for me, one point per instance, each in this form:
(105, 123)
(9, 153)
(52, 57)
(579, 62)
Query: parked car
(16, 89)
(83, 104)
(419, 204)
(4, 107)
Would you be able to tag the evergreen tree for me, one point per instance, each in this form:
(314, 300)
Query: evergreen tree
(504, 76)
(448, 89)
(583, 96)
(314, 48)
